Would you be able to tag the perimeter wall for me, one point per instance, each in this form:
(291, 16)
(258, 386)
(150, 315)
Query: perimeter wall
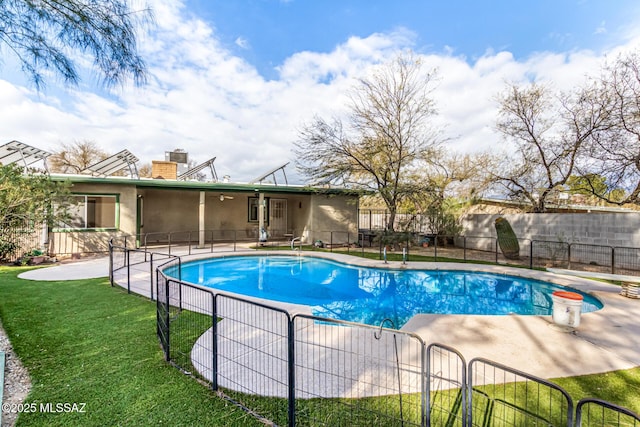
(606, 229)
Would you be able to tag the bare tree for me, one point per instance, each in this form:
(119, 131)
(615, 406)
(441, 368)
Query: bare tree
(547, 134)
(388, 133)
(615, 151)
(43, 34)
(75, 157)
(145, 170)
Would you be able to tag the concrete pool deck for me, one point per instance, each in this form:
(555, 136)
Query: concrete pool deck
(606, 340)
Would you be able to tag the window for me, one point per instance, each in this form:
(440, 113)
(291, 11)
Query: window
(92, 212)
(253, 209)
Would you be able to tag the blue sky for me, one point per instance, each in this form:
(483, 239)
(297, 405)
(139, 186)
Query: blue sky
(238, 79)
(266, 32)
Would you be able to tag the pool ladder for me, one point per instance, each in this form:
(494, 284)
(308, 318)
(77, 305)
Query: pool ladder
(293, 241)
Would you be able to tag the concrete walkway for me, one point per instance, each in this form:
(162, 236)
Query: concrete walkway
(608, 339)
(72, 270)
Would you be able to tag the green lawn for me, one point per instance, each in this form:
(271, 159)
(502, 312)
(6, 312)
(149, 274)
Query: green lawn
(86, 342)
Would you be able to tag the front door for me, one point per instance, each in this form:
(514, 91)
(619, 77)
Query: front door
(277, 217)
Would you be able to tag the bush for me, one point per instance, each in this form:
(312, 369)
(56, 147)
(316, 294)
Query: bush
(7, 249)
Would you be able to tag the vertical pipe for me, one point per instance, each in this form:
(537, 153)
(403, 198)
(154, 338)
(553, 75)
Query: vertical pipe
(348, 244)
(201, 220)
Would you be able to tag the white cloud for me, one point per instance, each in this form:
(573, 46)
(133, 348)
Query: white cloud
(242, 43)
(205, 100)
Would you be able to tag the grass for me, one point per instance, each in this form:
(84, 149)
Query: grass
(86, 342)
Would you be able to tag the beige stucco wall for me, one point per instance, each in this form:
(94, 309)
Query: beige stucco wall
(69, 242)
(332, 219)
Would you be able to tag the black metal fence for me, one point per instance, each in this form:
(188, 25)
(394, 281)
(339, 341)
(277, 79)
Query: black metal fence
(17, 242)
(533, 253)
(306, 370)
(596, 412)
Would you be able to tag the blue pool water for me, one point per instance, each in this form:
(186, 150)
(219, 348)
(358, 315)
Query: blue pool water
(369, 295)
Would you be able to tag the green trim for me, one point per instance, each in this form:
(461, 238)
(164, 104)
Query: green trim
(203, 186)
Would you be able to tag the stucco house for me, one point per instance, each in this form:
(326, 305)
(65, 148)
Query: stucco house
(148, 209)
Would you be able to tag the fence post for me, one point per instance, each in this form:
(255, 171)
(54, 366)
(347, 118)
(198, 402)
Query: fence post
(613, 260)
(531, 254)
(151, 275)
(496, 250)
(464, 247)
(569, 256)
(128, 252)
(435, 248)
(214, 347)
(292, 371)
(111, 261)
(167, 321)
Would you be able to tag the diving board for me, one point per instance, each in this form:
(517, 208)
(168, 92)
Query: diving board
(16, 151)
(271, 173)
(195, 170)
(113, 164)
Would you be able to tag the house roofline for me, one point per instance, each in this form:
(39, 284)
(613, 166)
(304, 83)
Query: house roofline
(201, 186)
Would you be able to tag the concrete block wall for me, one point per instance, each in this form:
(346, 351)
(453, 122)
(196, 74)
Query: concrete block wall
(606, 229)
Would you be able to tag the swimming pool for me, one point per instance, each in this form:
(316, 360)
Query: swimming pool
(369, 295)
